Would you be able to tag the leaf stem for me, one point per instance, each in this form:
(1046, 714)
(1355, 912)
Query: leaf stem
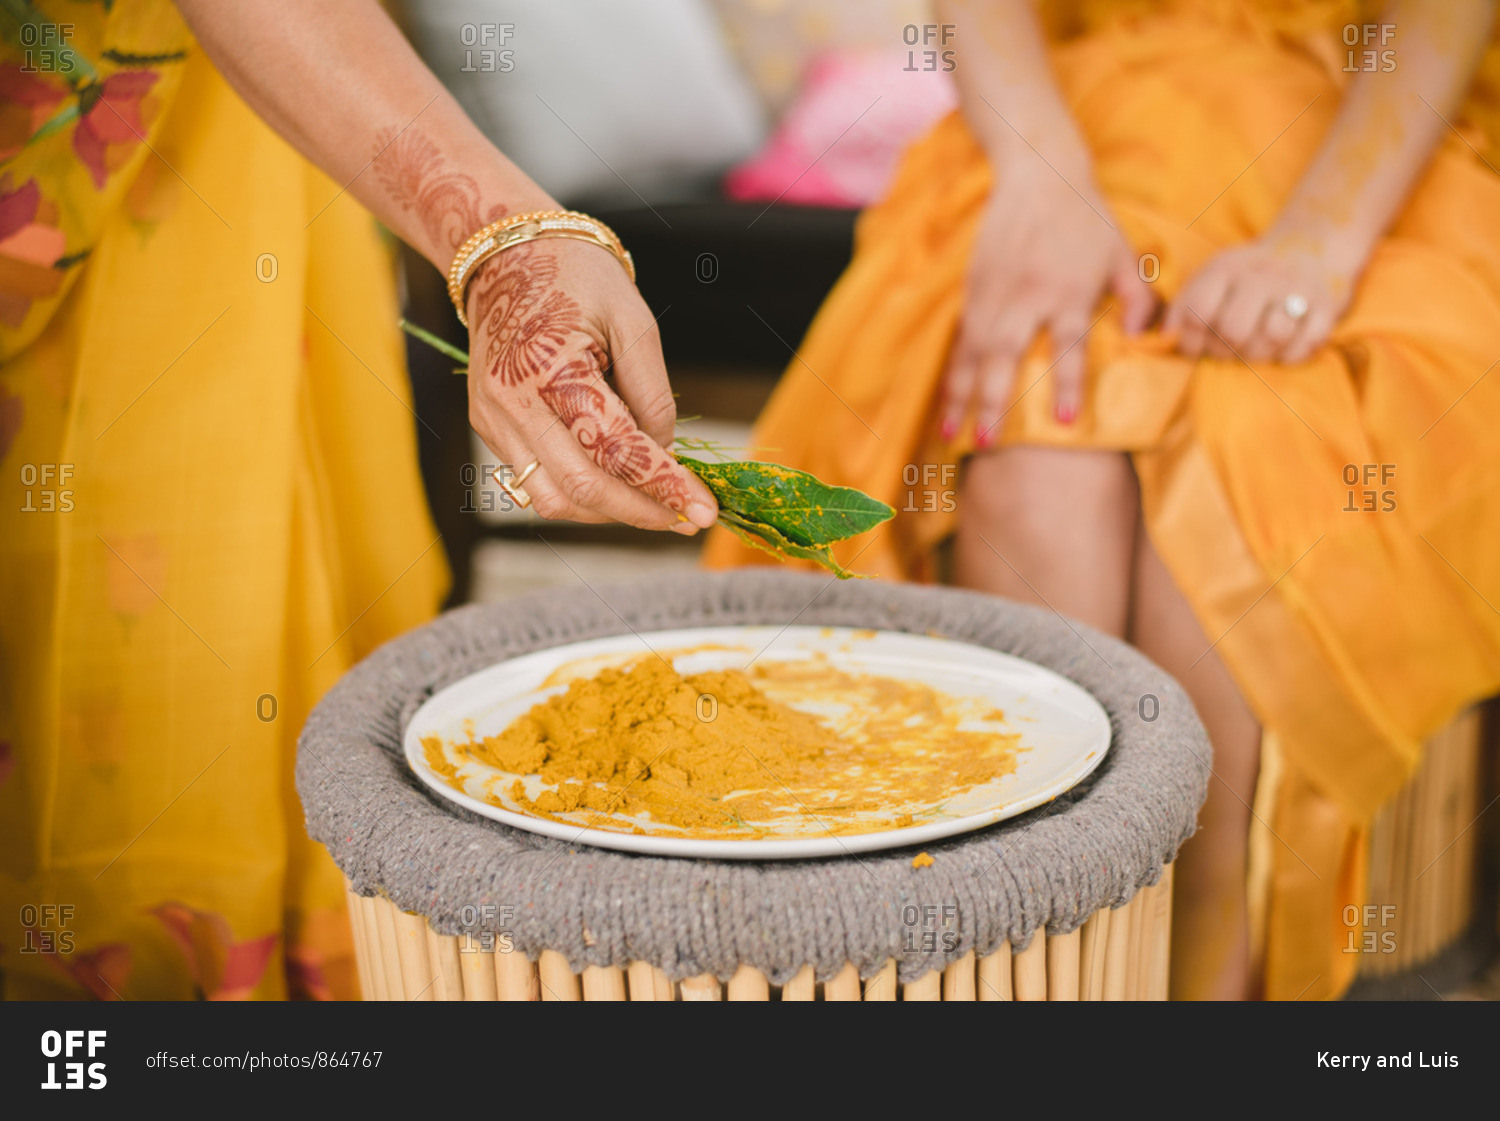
(441, 345)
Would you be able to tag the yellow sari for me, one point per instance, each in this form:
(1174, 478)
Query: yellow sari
(211, 509)
(1334, 524)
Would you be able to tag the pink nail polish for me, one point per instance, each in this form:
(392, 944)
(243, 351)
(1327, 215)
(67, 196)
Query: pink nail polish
(982, 438)
(1066, 414)
(950, 428)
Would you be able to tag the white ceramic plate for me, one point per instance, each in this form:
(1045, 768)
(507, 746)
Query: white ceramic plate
(1064, 732)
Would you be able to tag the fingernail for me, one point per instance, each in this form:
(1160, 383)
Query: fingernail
(950, 428)
(700, 515)
(1066, 414)
(982, 437)
(686, 528)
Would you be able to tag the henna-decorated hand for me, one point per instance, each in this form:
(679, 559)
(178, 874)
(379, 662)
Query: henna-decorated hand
(551, 322)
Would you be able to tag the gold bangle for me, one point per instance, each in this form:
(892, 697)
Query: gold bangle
(520, 228)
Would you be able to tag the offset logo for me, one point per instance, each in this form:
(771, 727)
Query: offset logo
(66, 1045)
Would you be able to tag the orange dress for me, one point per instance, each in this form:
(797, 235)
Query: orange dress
(1335, 522)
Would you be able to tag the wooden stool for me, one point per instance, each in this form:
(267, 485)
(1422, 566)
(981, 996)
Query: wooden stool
(535, 919)
(1120, 954)
(1425, 847)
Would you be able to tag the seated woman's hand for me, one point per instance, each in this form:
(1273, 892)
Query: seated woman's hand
(1043, 257)
(552, 325)
(1265, 301)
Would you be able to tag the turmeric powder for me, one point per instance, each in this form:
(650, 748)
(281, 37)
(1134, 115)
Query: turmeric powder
(725, 754)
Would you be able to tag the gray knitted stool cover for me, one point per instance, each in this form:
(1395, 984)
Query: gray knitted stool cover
(1053, 867)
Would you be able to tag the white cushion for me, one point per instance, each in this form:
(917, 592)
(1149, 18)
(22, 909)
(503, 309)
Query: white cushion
(597, 100)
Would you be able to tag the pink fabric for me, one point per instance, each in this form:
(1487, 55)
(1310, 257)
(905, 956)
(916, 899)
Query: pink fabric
(824, 153)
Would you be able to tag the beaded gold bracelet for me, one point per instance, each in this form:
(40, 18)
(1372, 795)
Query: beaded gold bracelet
(520, 228)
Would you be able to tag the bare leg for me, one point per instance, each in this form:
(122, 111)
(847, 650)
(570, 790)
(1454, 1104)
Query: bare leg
(1211, 934)
(1050, 526)
(1060, 528)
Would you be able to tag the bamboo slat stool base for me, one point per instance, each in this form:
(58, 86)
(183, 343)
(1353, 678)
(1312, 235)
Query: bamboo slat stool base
(1118, 954)
(1431, 902)
(1070, 901)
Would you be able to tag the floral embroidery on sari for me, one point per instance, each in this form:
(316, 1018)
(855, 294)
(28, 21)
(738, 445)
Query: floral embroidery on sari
(222, 967)
(81, 95)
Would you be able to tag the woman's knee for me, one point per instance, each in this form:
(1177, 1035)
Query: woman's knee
(1052, 527)
(1037, 492)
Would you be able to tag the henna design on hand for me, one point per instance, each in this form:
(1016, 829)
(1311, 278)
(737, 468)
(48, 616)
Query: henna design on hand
(527, 333)
(609, 434)
(572, 393)
(667, 486)
(535, 336)
(525, 319)
(616, 444)
(445, 201)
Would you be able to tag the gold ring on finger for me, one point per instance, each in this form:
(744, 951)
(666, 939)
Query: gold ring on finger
(515, 487)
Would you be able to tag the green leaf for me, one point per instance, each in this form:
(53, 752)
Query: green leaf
(767, 540)
(800, 507)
